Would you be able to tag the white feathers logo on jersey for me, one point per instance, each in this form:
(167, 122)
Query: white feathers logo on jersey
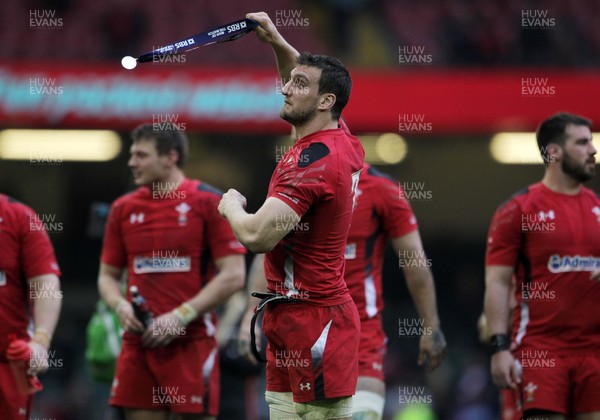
(183, 209)
(529, 391)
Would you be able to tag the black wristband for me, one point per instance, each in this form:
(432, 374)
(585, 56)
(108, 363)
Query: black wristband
(499, 342)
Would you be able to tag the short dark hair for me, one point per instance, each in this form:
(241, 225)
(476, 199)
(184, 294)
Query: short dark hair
(334, 79)
(552, 130)
(166, 138)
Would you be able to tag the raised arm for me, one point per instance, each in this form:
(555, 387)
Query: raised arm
(285, 54)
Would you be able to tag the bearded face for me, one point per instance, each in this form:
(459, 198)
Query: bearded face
(578, 159)
(301, 96)
(580, 172)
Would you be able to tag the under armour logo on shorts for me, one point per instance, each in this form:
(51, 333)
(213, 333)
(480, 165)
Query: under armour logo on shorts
(305, 386)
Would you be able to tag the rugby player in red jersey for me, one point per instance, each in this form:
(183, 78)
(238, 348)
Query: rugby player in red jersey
(548, 236)
(303, 226)
(169, 238)
(30, 297)
(382, 212)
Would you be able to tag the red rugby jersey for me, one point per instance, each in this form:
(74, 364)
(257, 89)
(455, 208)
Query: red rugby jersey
(25, 252)
(381, 212)
(316, 178)
(167, 241)
(553, 241)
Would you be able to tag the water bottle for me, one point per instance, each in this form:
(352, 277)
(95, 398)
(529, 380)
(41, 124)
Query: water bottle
(140, 307)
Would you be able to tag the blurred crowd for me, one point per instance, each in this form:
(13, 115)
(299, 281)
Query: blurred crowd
(457, 33)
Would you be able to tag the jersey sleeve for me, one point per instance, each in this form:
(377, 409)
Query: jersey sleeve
(113, 247)
(221, 240)
(303, 182)
(37, 254)
(505, 236)
(397, 215)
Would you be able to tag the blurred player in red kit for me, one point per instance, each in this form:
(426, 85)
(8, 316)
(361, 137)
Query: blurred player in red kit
(170, 238)
(303, 226)
(548, 236)
(30, 298)
(383, 212)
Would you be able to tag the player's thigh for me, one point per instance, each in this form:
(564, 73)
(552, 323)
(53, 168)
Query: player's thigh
(281, 406)
(133, 385)
(132, 414)
(371, 350)
(368, 383)
(586, 381)
(510, 408)
(330, 408)
(369, 400)
(545, 385)
(313, 351)
(13, 405)
(188, 376)
(589, 416)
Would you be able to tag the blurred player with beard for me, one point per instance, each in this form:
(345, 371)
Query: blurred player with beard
(170, 238)
(303, 226)
(30, 298)
(548, 236)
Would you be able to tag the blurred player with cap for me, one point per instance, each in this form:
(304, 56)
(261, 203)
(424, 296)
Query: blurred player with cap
(303, 226)
(30, 298)
(185, 261)
(548, 237)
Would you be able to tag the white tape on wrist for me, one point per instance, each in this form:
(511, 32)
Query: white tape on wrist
(122, 302)
(185, 313)
(42, 337)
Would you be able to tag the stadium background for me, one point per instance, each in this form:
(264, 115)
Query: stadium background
(476, 56)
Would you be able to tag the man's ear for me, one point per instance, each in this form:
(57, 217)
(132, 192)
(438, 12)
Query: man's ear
(326, 102)
(172, 157)
(555, 152)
